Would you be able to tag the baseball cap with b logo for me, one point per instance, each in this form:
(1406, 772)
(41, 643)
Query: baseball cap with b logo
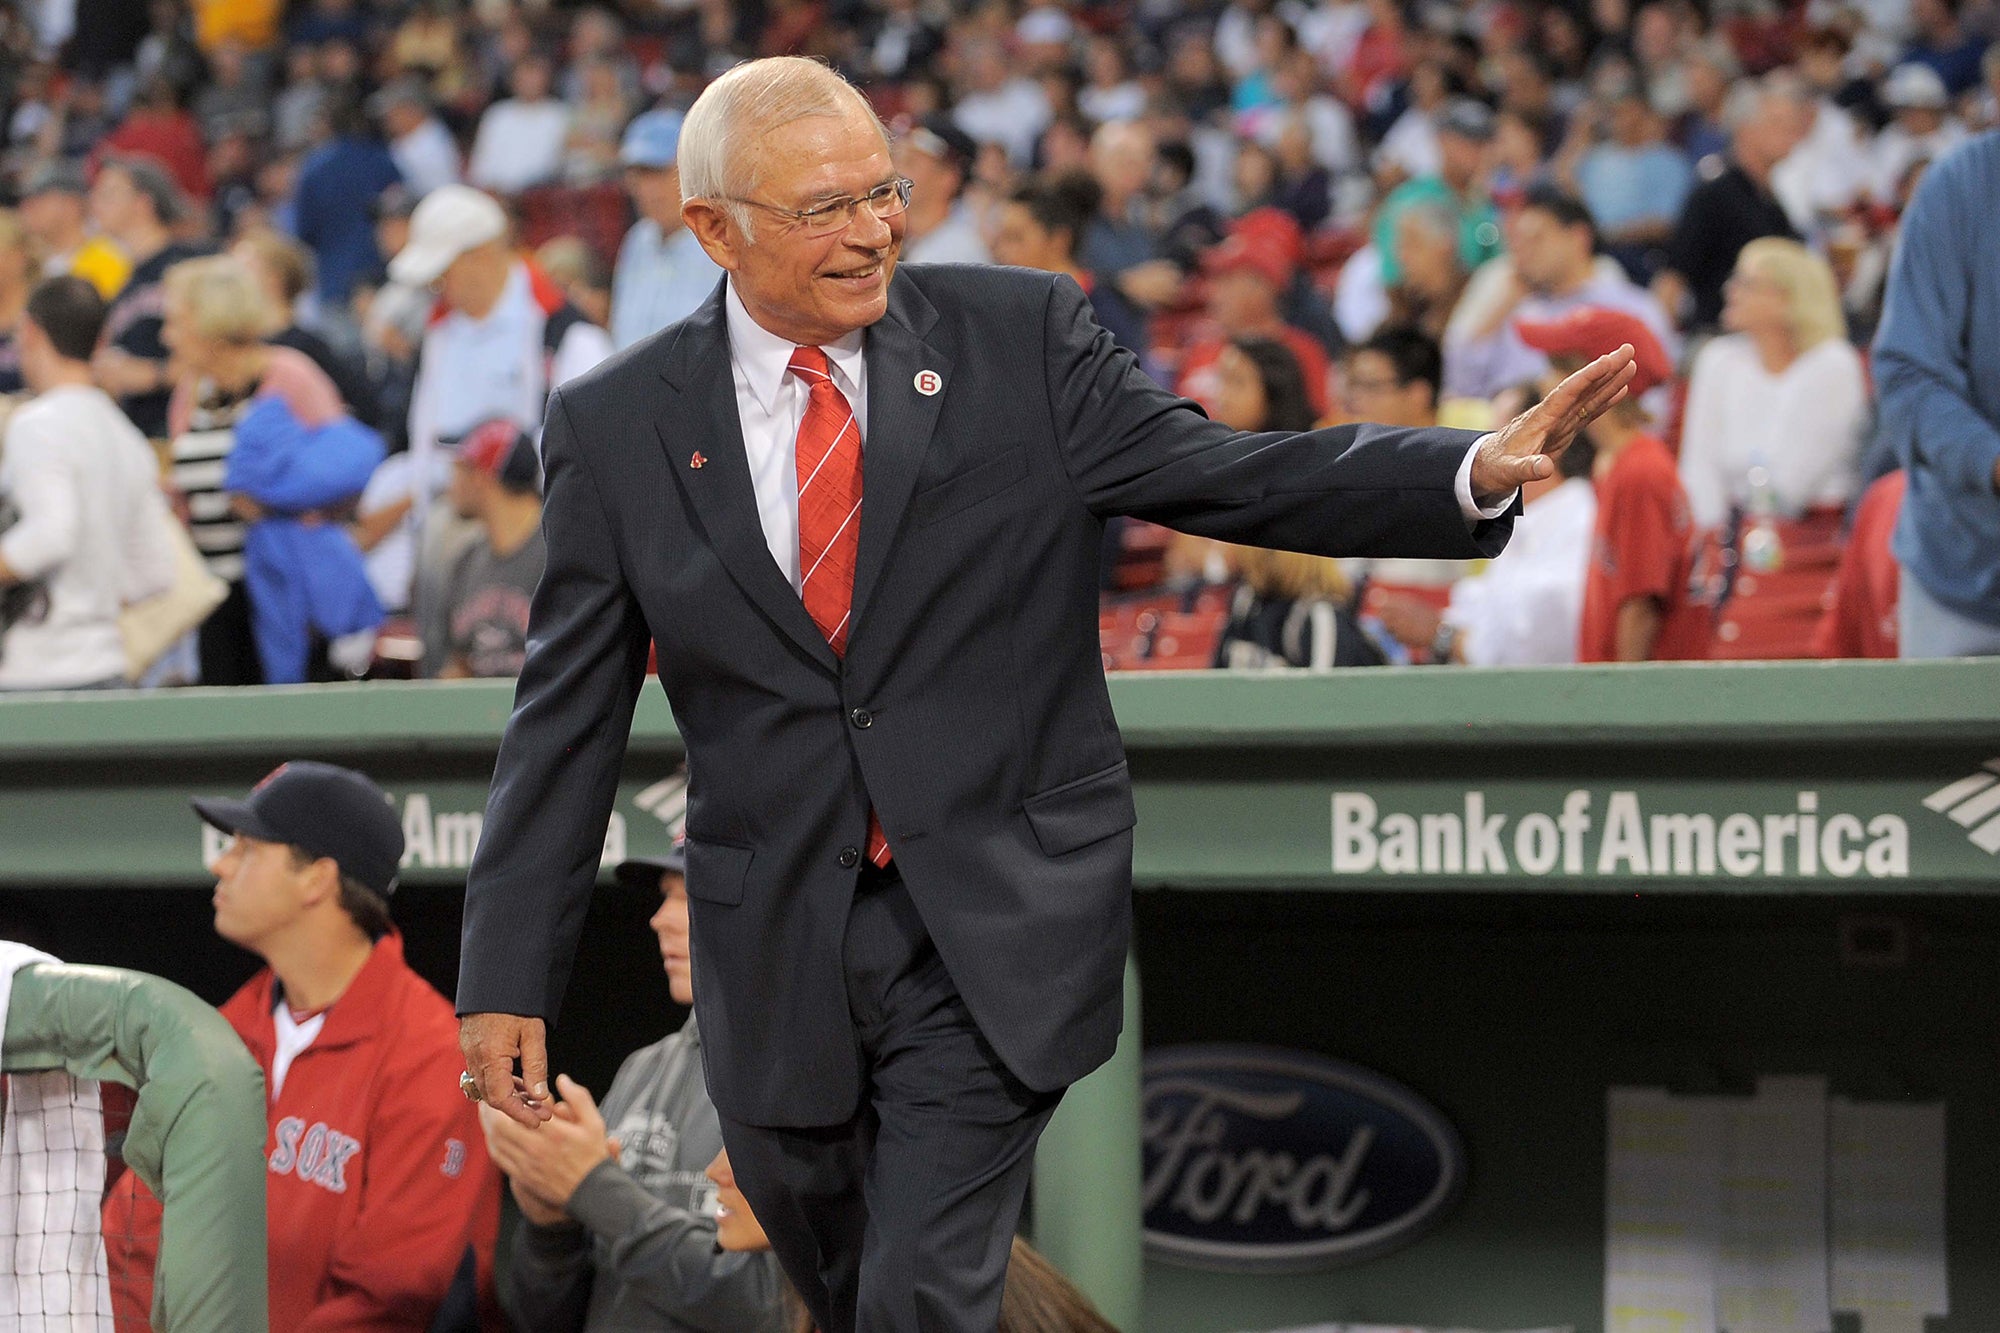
(323, 810)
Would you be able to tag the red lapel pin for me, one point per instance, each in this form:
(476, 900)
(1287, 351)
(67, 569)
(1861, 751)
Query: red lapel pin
(697, 460)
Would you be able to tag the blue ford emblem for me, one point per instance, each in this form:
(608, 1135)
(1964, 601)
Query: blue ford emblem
(1264, 1160)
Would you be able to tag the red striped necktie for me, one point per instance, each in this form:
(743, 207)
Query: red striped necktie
(829, 470)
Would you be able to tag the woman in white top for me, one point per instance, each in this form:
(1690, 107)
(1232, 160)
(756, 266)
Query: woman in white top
(1783, 390)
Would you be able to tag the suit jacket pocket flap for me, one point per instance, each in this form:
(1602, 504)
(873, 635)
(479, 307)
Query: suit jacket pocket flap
(1079, 813)
(716, 871)
(965, 489)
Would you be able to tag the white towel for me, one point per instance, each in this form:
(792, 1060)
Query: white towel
(53, 1275)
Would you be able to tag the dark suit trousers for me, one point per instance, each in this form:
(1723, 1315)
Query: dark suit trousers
(900, 1220)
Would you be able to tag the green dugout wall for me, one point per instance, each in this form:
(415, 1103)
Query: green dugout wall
(1506, 890)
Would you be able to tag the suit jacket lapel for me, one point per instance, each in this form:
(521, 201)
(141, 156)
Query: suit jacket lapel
(900, 424)
(700, 416)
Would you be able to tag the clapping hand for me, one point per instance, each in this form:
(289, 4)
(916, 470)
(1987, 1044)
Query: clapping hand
(1525, 449)
(548, 1163)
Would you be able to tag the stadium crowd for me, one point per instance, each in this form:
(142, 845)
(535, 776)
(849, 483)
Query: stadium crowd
(344, 249)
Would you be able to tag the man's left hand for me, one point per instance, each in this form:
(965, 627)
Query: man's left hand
(1525, 449)
(552, 1161)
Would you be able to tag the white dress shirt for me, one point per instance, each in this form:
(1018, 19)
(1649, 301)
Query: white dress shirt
(771, 402)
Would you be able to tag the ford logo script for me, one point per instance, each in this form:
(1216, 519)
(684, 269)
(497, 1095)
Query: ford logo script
(1264, 1160)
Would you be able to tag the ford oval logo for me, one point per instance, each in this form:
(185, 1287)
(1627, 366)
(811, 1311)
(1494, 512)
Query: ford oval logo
(1265, 1160)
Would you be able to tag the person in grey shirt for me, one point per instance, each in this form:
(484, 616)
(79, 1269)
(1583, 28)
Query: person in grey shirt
(618, 1231)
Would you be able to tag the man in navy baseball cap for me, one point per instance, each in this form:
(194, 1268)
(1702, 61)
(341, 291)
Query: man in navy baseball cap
(324, 811)
(383, 1206)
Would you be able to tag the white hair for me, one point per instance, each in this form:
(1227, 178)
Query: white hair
(746, 103)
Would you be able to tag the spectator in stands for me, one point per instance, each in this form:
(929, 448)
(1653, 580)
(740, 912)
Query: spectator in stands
(1121, 245)
(1395, 378)
(1327, 124)
(425, 154)
(1293, 611)
(597, 36)
(83, 527)
(597, 118)
(1432, 278)
(337, 189)
(937, 156)
(383, 1205)
(1783, 391)
(1732, 208)
(298, 109)
(1409, 149)
(1709, 71)
(1288, 611)
(289, 459)
(326, 20)
(233, 99)
(1637, 600)
(1821, 180)
(1036, 1299)
(1944, 46)
(496, 482)
(995, 105)
(1523, 609)
(520, 139)
(160, 128)
(55, 211)
(618, 1227)
(1940, 387)
(1038, 228)
(284, 270)
(136, 204)
(1631, 179)
(663, 274)
(17, 279)
(1260, 387)
(1552, 267)
(503, 338)
(1464, 133)
(585, 280)
(899, 39)
(1923, 129)
(1246, 281)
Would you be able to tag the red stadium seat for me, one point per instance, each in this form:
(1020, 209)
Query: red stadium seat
(1186, 640)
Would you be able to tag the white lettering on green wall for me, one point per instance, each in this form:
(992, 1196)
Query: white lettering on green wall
(1633, 840)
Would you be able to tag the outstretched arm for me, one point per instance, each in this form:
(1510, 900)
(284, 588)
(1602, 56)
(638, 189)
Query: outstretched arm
(553, 786)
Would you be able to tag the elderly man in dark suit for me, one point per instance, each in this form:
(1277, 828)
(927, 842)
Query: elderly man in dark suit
(909, 832)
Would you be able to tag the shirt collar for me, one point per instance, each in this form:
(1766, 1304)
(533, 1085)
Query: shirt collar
(765, 358)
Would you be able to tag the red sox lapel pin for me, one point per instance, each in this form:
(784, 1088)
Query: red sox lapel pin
(697, 460)
(928, 383)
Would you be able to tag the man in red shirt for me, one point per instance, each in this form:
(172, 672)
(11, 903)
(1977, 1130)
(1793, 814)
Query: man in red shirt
(383, 1205)
(1248, 276)
(1637, 599)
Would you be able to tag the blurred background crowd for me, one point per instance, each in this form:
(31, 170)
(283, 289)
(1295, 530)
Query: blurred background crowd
(346, 247)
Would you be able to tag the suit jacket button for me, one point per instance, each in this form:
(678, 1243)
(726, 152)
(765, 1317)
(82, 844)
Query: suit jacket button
(861, 718)
(850, 857)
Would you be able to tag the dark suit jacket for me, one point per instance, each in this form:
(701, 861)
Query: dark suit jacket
(971, 709)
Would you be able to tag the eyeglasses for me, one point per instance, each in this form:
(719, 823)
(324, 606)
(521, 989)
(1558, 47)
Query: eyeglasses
(885, 201)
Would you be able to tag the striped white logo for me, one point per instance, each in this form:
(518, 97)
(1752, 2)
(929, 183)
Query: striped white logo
(1973, 803)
